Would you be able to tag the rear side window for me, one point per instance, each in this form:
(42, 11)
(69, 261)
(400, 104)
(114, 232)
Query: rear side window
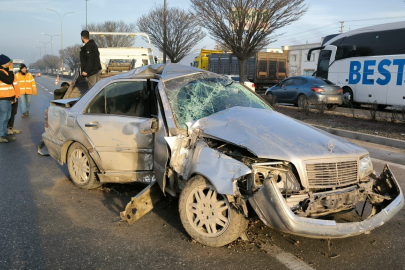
(299, 82)
(122, 98)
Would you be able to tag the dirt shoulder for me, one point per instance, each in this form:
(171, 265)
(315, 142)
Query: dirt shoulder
(380, 128)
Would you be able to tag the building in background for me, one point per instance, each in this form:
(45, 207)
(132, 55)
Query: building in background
(297, 59)
(274, 50)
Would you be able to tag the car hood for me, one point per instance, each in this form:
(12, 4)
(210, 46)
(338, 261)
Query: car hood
(269, 134)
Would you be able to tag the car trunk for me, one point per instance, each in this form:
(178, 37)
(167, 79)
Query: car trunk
(329, 89)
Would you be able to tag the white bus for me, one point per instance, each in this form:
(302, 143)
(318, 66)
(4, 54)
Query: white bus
(368, 64)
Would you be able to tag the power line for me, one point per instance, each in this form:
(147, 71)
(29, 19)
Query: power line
(386, 18)
(312, 29)
(370, 19)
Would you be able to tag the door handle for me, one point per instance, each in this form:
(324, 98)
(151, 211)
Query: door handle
(93, 125)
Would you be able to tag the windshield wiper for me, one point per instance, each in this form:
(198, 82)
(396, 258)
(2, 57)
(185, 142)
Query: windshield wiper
(229, 84)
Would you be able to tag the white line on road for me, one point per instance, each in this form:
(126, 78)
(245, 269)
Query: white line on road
(289, 260)
(50, 93)
(46, 89)
(389, 163)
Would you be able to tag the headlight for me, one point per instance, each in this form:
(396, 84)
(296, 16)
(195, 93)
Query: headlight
(366, 167)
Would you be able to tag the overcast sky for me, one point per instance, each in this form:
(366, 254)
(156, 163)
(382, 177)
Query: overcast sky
(23, 21)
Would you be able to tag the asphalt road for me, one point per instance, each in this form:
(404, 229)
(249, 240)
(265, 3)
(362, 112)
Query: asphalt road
(48, 223)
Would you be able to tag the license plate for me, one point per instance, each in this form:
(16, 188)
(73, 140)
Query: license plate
(333, 98)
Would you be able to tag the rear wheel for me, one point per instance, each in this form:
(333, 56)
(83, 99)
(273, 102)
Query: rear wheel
(347, 97)
(207, 215)
(82, 168)
(331, 107)
(302, 101)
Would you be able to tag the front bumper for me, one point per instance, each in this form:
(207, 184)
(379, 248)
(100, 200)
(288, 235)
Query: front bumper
(271, 207)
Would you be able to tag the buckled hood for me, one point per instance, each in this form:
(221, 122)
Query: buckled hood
(269, 134)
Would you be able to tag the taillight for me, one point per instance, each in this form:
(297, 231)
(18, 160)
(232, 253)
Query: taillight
(253, 85)
(46, 118)
(340, 91)
(317, 89)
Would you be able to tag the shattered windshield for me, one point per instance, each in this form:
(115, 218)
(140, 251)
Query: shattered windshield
(199, 95)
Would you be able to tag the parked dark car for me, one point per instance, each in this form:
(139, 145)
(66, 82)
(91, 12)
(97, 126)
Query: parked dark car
(302, 90)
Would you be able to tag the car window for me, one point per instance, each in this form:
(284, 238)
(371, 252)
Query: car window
(122, 98)
(287, 82)
(297, 82)
(97, 105)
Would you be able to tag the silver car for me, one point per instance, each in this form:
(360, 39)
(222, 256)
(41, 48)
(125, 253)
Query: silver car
(220, 148)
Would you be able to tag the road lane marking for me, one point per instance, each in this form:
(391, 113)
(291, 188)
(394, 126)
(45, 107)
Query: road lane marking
(287, 259)
(389, 163)
(46, 89)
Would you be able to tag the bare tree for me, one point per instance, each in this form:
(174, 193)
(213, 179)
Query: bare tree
(51, 61)
(39, 64)
(71, 56)
(183, 31)
(112, 26)
(246, 26)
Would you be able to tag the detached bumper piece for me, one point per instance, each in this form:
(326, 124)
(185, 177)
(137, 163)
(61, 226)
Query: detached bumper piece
(142, 203)
(271, 207)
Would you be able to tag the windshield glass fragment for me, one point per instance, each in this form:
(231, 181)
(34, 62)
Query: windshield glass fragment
(200, 95)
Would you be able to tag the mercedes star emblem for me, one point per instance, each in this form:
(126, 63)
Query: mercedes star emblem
(331, 145)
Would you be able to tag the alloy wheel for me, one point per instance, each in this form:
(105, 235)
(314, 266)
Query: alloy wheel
(208, 211)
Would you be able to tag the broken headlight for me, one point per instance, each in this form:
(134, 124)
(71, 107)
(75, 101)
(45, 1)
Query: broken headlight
(366, 167)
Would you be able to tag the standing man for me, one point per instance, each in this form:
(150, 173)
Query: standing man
(90, 59)
(28, 87)
(14, 107)
(7, 95)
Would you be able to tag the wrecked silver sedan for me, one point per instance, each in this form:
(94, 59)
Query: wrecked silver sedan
(223, 150)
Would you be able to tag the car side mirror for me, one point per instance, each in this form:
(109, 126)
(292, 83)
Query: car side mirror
(149, 126)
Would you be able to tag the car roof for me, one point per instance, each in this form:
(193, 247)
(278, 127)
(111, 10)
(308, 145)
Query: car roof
(158, 71)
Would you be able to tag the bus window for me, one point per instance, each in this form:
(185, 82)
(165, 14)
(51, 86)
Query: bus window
(323, 64)
(389, 42)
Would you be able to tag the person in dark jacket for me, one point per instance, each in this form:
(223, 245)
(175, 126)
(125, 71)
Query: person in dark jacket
(7, 96)
(90, 59)
(59, 93)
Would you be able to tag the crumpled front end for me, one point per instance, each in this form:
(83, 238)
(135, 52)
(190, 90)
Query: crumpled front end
(277, 209)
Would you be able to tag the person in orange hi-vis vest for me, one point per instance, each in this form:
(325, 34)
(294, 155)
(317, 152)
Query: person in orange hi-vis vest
(7, 95)
(14, 108)
(27, 87)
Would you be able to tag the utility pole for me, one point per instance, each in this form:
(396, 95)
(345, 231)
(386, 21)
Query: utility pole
(61, 34)
(341, 26)
(164, 32)
(44, 45)
(86, 13)
(51, 40)
(40, 51)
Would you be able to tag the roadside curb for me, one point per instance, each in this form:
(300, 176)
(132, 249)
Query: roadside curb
(364, 137)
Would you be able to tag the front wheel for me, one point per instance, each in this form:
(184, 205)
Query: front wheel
(82, 168)
(207, 215)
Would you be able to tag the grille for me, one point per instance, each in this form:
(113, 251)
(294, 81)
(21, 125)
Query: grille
(324, 175)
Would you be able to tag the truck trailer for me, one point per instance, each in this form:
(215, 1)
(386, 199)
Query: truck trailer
(264, 69)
